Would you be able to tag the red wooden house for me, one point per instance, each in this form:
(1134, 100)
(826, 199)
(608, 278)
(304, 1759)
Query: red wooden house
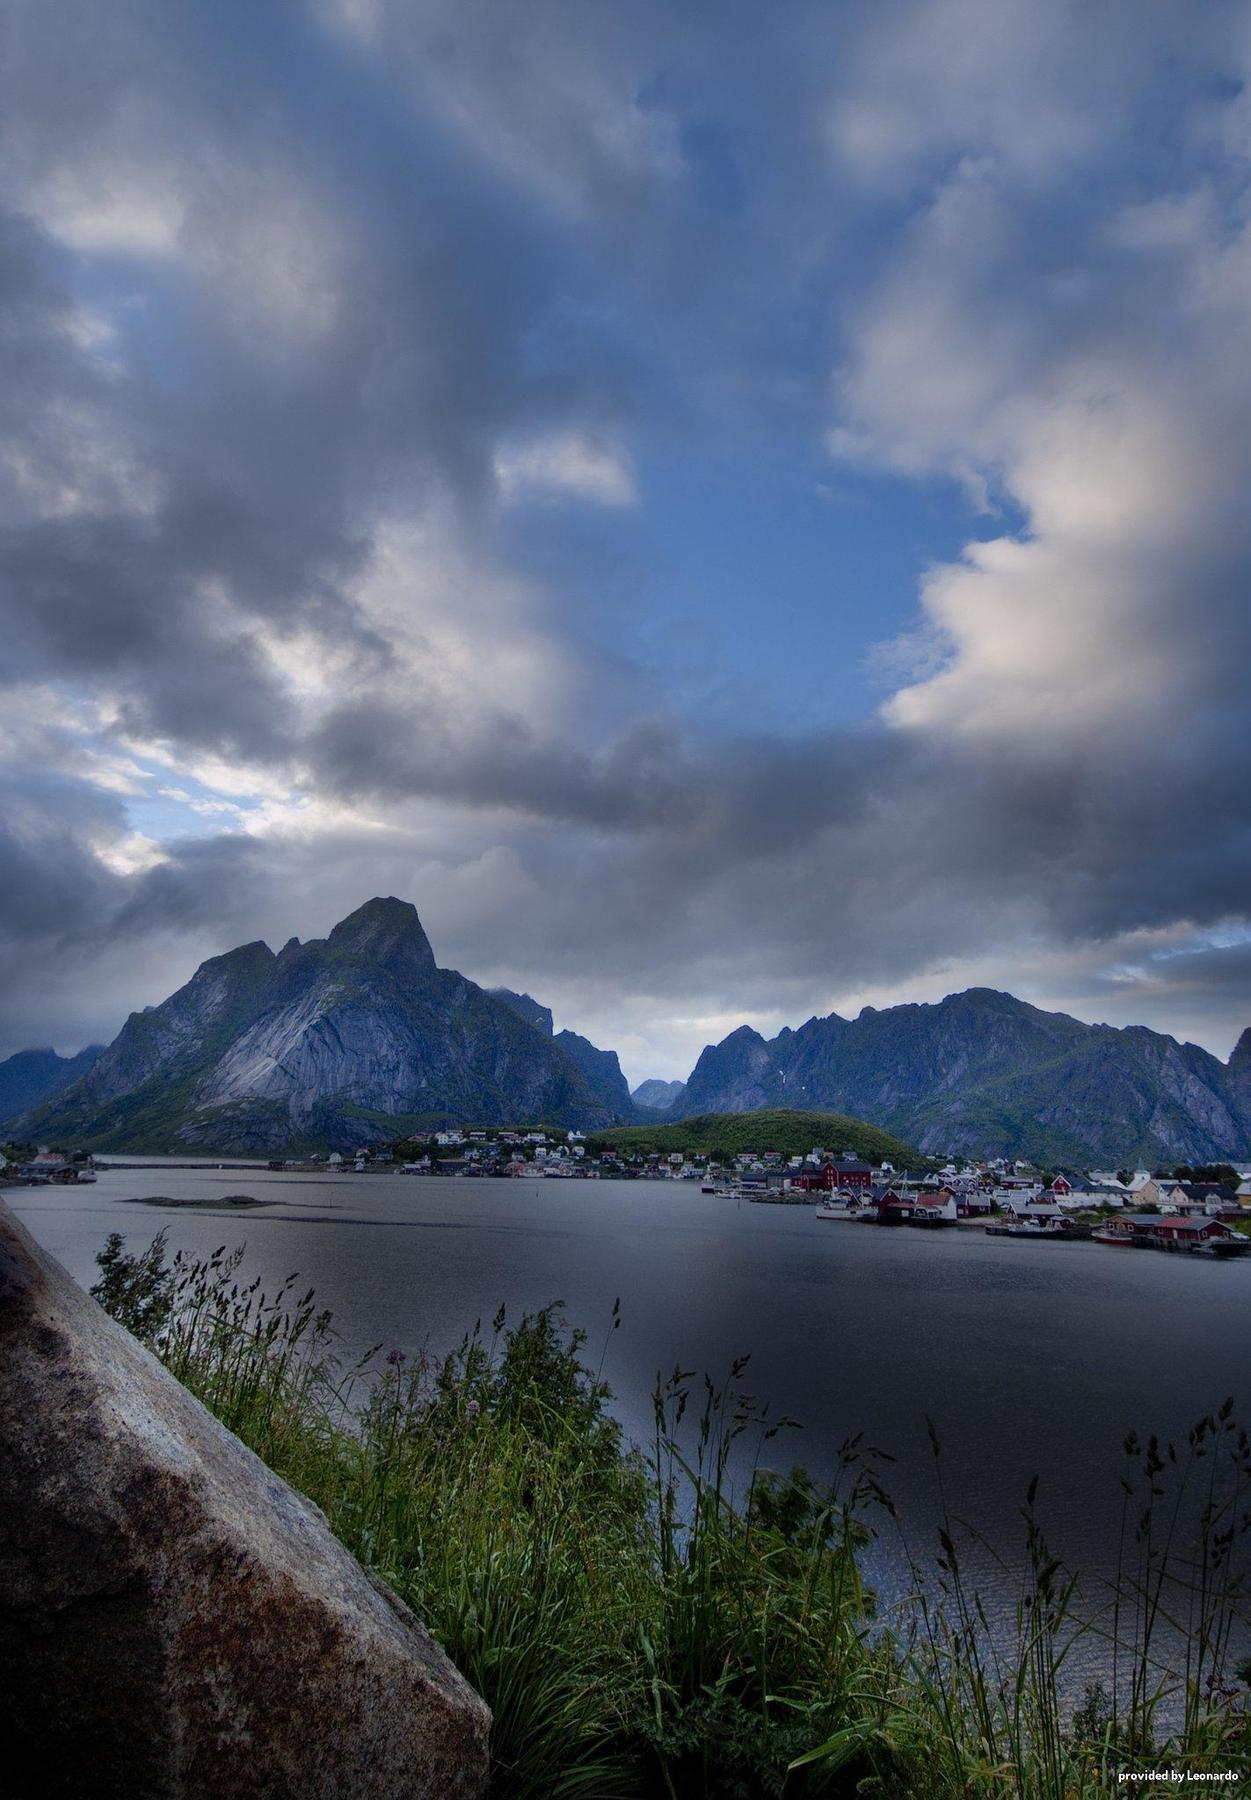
(831, 1175)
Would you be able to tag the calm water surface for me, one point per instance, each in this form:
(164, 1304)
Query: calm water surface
(1029, 1358)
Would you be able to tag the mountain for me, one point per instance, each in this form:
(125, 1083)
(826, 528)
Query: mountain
(658, 1096)
(600, 1070)
(34, 1075)
(526, 1007)
(360, 1037)
(986, 1074)
(356, 1038)
(794, 1133)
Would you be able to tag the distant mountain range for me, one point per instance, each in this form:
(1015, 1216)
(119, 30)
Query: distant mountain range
(351, 1039)
(360, 1037)
(985, 1074)
(658, 1096)
(34, 1075)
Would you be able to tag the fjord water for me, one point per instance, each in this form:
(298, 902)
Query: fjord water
(1031, 1359)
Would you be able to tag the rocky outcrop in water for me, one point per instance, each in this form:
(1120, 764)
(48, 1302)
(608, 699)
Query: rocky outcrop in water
(176, 1623)
(356, 1038)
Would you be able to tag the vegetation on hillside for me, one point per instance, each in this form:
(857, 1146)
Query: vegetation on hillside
(636, 1633)
(793, 1133)
(1224, 1174)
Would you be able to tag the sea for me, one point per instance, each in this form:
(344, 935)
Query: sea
(1022, 1360)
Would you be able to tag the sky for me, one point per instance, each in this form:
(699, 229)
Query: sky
(735, 512)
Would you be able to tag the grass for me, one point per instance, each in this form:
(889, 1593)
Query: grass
(635, 1633)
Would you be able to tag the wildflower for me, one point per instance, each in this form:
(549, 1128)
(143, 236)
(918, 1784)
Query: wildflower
(396, 1357)
(472, 1408)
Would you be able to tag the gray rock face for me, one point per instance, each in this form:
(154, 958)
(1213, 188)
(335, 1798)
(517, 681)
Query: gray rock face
(176, 1623)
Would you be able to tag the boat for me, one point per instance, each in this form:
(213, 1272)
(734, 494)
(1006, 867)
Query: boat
(1030, 1228)
(1108, 1234)
(829, 1210)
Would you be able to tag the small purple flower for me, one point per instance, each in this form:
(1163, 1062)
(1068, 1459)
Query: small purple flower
(396, 1357)
(472, 1408)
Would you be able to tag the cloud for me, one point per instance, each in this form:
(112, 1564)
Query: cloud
(571, 465)
(546, 98)
(347, 362)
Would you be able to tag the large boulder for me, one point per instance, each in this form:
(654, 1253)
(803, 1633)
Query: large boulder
(175, 1621)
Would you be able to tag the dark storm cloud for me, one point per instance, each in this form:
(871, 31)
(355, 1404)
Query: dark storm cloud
(52, 881)
(358, 345)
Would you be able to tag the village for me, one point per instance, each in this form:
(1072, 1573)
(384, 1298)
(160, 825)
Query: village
(1205, 1210)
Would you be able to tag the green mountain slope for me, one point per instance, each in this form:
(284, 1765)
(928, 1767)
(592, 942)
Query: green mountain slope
(793, 1133)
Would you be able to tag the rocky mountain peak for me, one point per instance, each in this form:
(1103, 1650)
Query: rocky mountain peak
(384, 930)
(350, 1039)
(742, 1034)
(1240, 1056)
(983, 999)
(246, 963)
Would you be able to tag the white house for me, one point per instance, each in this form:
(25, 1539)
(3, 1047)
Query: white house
(1085, 1199)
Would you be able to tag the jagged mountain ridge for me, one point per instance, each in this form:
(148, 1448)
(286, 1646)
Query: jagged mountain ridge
(31, 1076)
(361, 1037)
(986, 1074)
(354, 1038)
